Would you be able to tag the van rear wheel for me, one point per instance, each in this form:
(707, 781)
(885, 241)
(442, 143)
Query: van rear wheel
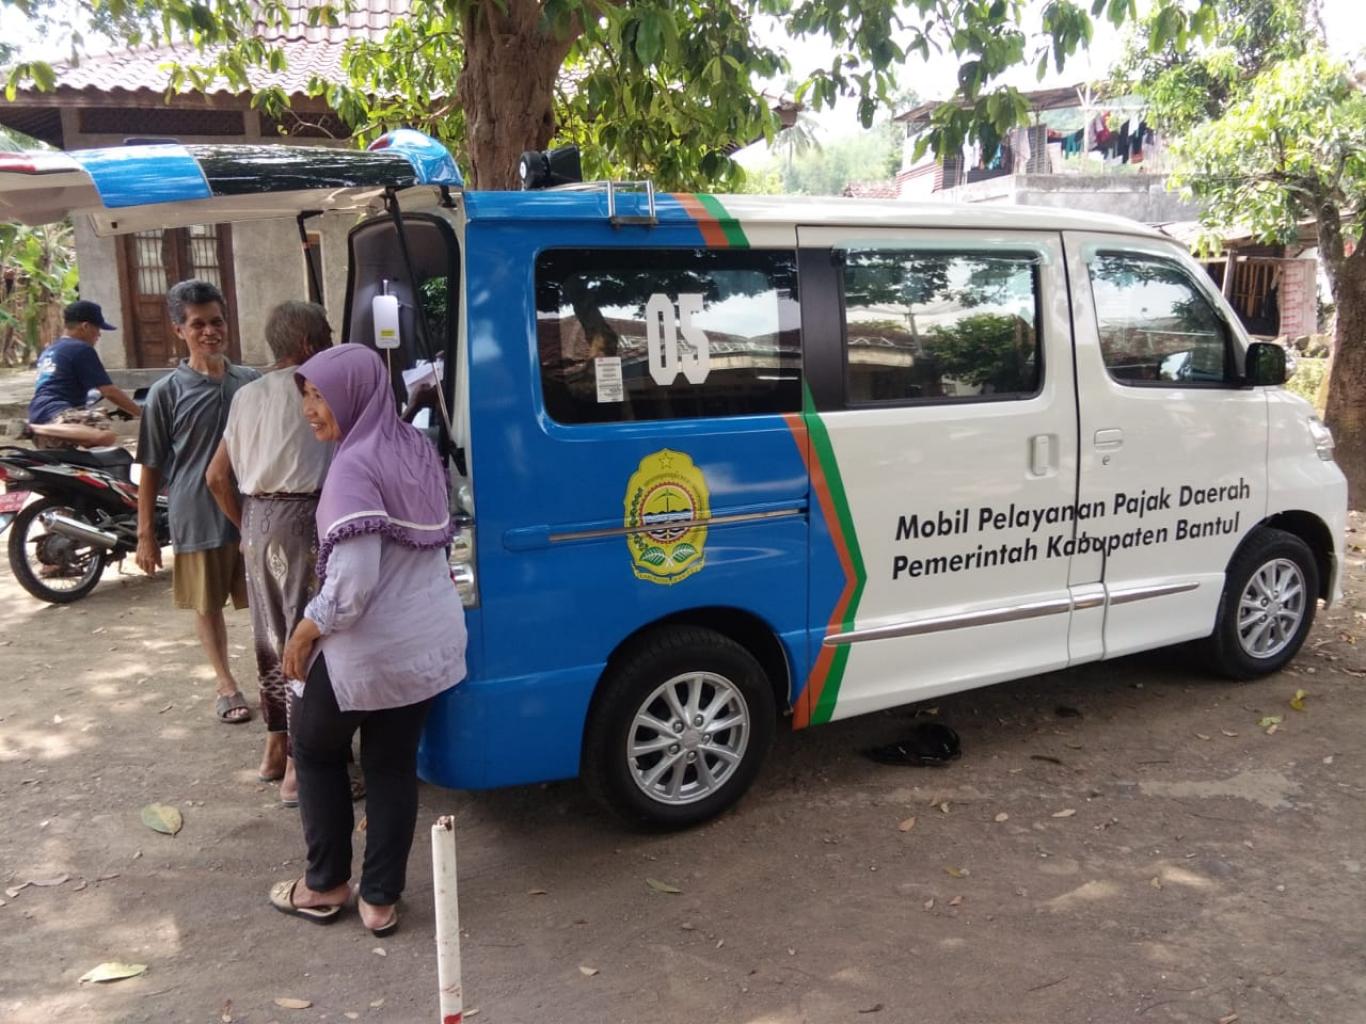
(1270, 596)
(679, 728)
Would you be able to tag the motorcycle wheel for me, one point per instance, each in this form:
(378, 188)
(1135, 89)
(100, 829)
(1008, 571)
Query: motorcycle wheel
(74, 568)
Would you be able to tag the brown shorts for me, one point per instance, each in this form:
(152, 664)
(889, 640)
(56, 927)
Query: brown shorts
(95, 418)
(202, 581)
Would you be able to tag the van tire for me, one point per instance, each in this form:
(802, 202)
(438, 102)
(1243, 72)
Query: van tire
(724, 680)
(1270, 565)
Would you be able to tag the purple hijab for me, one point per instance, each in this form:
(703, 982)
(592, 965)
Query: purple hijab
(385, 476)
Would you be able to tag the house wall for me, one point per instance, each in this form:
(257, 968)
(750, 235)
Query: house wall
(98, 266)
(1140, 197)
(268, 263)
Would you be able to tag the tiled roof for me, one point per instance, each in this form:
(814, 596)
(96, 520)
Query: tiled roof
(309, 51)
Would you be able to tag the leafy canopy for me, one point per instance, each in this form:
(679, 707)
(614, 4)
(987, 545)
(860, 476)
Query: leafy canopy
(661, 88)
(1289, 150)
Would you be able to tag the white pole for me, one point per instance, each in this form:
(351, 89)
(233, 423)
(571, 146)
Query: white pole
(447, 920)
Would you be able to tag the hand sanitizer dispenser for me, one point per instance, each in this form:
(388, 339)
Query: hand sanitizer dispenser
(384, 310)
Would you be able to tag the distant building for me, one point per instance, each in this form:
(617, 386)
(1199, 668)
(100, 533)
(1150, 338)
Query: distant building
(1082, 151)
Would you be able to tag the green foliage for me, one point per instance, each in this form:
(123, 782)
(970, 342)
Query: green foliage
(653, 88)
(1188, 84)
(1307, 381)
(39, 272)
(825, 170)
(1289, 150)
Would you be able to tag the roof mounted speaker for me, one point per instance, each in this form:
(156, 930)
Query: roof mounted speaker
(558, 166)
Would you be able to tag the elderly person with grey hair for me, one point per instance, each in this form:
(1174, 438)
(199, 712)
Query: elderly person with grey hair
(270, 458)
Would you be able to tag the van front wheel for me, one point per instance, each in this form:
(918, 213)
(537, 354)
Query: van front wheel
(1270, 595)
(679, 728)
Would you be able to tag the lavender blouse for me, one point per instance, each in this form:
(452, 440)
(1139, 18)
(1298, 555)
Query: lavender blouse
(392, 625)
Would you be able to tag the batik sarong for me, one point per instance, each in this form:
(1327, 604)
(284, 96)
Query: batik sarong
(280, 546)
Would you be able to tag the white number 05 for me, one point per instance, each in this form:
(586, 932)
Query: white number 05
(667, 355)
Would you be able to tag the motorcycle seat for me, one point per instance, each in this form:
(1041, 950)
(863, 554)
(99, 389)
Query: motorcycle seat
(112, 458)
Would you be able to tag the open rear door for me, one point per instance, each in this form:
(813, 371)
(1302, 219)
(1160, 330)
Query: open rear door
(133, 188)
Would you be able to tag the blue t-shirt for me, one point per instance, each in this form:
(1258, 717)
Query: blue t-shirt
(67, 370)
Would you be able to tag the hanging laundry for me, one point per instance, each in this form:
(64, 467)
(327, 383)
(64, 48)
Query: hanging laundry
(1100, 133)
(1122, 143)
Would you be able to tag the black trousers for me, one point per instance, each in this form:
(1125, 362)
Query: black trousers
(321, 737)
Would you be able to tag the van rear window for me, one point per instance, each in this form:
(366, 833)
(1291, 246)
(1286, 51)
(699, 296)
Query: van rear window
(655, 334)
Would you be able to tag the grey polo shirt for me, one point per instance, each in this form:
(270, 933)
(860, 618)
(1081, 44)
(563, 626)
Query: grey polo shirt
(182, 424)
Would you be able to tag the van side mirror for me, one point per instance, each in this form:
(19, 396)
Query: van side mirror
(1265, 365)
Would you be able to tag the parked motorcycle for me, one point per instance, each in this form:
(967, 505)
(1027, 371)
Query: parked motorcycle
(86, 516)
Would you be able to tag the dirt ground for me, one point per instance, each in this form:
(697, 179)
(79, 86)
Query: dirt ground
(1156, 856)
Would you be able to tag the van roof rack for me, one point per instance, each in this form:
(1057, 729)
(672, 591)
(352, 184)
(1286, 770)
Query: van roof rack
(613, 188)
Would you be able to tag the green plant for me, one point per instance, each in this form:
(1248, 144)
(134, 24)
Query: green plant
(39, 277)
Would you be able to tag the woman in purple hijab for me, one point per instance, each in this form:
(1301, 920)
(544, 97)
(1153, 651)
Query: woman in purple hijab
(383, 637)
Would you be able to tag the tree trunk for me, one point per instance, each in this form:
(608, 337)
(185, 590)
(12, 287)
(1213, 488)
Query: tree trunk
(1345, 410)
(507, 87)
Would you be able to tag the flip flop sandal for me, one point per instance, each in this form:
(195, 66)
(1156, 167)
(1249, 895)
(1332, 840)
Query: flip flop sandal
(385, 930)
(282, 899)
(270, 778)
(229, 702)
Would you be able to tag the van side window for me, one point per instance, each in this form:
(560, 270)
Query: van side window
(652, 334)
(1155, 325)
(933, 326)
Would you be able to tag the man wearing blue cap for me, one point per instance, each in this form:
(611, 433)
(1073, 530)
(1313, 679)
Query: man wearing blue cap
(68, 370)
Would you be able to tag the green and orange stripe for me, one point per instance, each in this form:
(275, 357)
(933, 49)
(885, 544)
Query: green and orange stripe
(719, 229)
(827, 672)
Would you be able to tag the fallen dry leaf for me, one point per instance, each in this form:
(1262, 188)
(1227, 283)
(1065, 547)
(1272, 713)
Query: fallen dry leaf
(162, 818)
(1297, 701)
(536, 892)
(1232, 1018)
(112, 970)
(665, 887)
(875, 1008)
(380, 951)
(957, 872)
(1227, 733)
(1202, 736)
(929, 903)
(587, 972)
(1003, 816)
(1155, 882)
(353, 1015)
(1066, 813)
(290, 1003)
(906, 825)
(377, 1004)
(956, 901)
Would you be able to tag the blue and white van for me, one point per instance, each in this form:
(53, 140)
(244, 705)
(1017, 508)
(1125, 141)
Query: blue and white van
(726, 464)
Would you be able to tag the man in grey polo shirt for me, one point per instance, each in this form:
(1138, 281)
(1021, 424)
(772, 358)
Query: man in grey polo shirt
(182, 424)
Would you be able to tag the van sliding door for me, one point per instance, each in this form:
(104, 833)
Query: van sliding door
(944, 446)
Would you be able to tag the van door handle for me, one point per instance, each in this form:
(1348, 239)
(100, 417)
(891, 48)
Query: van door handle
(1041, 454)
(1109, 439)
